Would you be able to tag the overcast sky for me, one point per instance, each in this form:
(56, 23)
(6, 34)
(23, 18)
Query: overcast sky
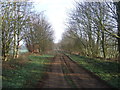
(56, 12)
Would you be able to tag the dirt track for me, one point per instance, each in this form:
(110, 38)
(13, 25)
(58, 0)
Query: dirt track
(64, 73)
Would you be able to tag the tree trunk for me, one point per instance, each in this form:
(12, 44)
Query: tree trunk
(103, 44)
(17, 50)
(14, 47)
(118, 21)
(97, 43)
(3, 49)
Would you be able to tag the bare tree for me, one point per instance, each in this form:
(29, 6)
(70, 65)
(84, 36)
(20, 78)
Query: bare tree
(39, 34)
(13, 20)
(93, 25)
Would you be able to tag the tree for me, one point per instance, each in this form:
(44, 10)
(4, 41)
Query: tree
(118, 24)
(93, 29)
(13, 20)
(39, 34)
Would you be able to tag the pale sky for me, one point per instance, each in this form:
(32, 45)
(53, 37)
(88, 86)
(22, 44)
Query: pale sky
(56, 12)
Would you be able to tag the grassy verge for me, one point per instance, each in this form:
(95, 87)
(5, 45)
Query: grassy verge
(106, 70)
(24, 73)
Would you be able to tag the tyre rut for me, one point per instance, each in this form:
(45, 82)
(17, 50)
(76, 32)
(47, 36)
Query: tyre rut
(65, 73)
(80, 77)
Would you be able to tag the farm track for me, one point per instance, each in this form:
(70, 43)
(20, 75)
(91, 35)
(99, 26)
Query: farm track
(65, 73)
(80, 77)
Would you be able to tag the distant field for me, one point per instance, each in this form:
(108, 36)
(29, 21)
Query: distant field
(23, 51)
(20, 51)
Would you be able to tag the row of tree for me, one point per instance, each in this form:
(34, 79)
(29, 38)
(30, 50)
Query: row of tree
(93, 29)
(20, 23)
(39, 34)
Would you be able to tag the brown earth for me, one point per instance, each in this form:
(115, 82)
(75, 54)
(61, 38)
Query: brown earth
(55, 77)
(71, 76)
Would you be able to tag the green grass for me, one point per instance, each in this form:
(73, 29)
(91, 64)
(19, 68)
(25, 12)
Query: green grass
(24, 75)
(42, 56)
(106, 70)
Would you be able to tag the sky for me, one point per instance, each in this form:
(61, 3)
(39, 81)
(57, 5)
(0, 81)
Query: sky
(56, 13)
